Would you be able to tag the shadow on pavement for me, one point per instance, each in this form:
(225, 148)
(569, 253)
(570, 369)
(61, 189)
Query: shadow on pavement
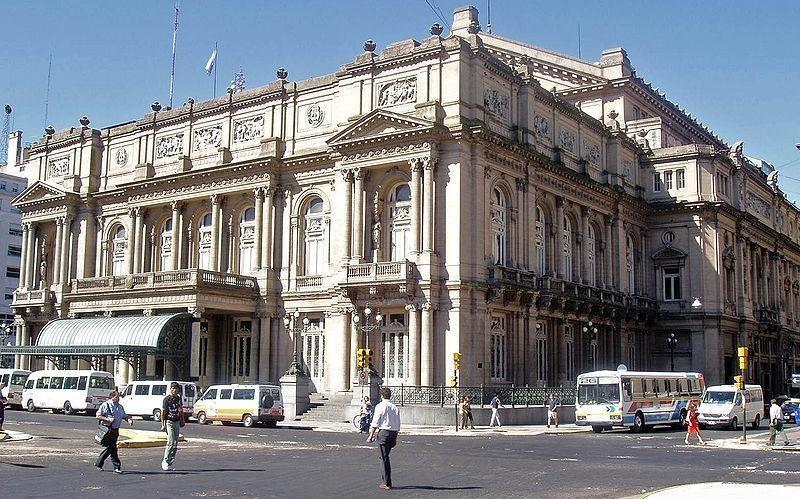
(433, 487)
(184, 472)
(22, 465)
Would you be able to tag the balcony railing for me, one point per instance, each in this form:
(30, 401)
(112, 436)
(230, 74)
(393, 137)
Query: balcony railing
(380, 271)
(31, 298)
(165, 279)
(311, 281)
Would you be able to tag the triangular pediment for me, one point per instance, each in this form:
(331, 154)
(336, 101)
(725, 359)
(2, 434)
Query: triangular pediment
(42, 192)
(379, 123)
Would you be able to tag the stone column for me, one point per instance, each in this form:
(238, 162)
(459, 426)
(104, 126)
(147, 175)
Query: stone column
(520, 259)
(585, 270)
(31, 260)
(264, 345)
(608, 254)
(25, 360)
(426, 347)
(427, 214)
(215, 226)
(416, 202)
(57, 250)
(138, 244)
(558, 252)
(17, 342)
(133, 213)
(348, 215)
(23, 261)
(413, 344)
(255, 350)
(177, 245)
(267, 229)
(358, 222)
(257, 249)
(66, 249)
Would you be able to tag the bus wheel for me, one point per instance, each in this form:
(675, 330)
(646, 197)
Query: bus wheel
(638, 423)
(757, 421)
(597, 429)
(734, 423)
(201, 418)
(31, 407)
(68, 408)
(248, 421)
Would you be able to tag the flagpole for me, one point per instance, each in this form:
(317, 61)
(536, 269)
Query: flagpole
(174, 41)
(215, 71)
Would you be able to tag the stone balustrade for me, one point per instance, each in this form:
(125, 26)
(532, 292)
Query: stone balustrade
(165, 279)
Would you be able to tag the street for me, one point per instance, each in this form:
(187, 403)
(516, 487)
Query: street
(221, 461)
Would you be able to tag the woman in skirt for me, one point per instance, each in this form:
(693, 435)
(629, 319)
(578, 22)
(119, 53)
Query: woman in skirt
(693, 426)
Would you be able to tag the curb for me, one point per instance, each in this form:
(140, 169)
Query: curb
(142, 439)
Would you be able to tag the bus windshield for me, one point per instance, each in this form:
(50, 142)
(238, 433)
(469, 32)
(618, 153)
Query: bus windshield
(598, 394)
(718, 398)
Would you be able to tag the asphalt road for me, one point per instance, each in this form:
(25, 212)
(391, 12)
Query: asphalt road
(222, 461)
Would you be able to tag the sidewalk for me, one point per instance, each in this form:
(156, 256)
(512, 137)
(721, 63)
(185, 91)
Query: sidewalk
(723, 490)
(338, 427)
(759, 441)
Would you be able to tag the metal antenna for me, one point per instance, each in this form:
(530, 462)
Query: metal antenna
(47, 93)
(174, 41)
(489, 14)
(6, 132)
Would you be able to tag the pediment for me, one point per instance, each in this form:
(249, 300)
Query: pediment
(41, 192)
(668, 253)
(379, 123)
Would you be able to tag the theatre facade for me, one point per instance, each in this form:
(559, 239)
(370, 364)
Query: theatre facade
(540, 214)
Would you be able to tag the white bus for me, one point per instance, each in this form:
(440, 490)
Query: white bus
(67, 391)
(606, 399)
(14, 381)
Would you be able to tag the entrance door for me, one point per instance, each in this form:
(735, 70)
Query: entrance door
(239, 351)
(395, 350)
(314, 352)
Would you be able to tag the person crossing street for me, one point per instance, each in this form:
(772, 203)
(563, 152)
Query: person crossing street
(385, 425)
(171, 422)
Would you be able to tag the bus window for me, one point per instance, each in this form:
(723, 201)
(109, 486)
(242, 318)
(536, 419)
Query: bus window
(70, 383)
(627, 390)
(43, 382)
(211, 394)
(244, 394)
(141, 390)
(638, 389)
(682, 387)
(128, 390)
(29, 384)
(18, 379)
(56, 383)
(102, 382)
(188, 390)
(82, 383)
(668, 386)
(225, 394)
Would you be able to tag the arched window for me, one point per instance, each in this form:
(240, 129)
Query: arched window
(166, 246)
(315, 254)
(541, 246)
(499, 208)
(591, 256)
(119, 245)
(567, 235)
(204, 243)
(630, 265)
(247, 241)
(399, 212)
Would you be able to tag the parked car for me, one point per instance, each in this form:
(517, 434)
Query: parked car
(790, 408)
(722, 405)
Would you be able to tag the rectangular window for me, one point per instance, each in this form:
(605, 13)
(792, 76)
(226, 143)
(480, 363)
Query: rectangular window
(12, 272)
(56, 383)
(672, 283)
(722, 181)
(159, 390)
(9, 294)
(71, 383)
(142, 390)
(680, 179)
(668, 181)
(15, 231)
(14, 251)
(82, 383)
(211, 394)
(15, 187)
(43, 382)
(244, 394)
(657, 182)
(225, 394)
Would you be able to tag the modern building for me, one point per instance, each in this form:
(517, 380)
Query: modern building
(540, 214)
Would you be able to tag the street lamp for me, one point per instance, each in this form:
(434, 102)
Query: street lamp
(290, 323)
(367, 326)
(590, 332)
(672, 342)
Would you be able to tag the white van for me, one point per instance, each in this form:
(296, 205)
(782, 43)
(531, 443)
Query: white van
(67, 390)
(144, 398)
(248, 404)
(722, 405)
(14, 381)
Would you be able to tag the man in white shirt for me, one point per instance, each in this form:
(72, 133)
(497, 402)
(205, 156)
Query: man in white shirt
(386, 424)
(776, 423)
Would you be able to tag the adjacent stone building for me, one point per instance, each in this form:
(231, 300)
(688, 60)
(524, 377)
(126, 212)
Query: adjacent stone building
(540, 214)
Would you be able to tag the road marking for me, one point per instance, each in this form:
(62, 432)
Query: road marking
(621, 457)
(565, 459)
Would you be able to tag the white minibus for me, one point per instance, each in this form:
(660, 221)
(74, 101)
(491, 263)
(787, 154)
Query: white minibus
(606, 399)
(248, 404)
(722, 405)
(14, 381)
(144, 398)
(67, 390)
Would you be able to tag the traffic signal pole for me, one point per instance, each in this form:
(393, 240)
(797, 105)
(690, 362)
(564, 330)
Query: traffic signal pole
(743, 353)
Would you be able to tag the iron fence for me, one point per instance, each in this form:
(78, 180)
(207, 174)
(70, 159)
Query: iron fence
(481, 395)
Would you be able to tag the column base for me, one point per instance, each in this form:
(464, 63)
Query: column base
(295, 392)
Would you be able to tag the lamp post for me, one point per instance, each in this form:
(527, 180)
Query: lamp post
(370, 323)
(7, 331)
(672, 342)
(290, 323)
(590, 332)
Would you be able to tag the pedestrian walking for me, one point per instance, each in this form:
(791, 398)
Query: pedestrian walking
(171, 421)
(386, 425)
(495, 405)
(776, 423)
(466, 413)
(111, 414)
(693, 425)
(3, 402)
(552, 411)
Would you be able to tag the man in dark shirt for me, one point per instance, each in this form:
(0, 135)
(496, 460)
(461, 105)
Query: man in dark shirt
(3, 402)
(171, 422)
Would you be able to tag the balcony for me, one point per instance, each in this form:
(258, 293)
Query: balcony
(308, 282)
(197, 278)
(379, 277)
(32, 298)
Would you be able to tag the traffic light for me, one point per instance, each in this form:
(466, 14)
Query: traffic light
(361, 357)
(743, 354)
(367, 357)
(456, 361)
(739, 382)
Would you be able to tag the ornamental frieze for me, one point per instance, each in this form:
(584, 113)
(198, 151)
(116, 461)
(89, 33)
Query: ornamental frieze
(496, 102)
(757, 204)
(58, 167)
(203, 187)
(248, 129)
(171, 145)
(566, 140)
(207, 138)
(386, 152)
(592, 152)
(398, 92)
(541, 126)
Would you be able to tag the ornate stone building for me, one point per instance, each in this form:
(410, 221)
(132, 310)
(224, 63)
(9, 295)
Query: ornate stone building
(540, 214)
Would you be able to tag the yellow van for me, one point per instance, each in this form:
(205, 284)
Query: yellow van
(248, 404)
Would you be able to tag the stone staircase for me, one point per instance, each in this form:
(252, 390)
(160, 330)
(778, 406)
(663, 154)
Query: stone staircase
(327, 407)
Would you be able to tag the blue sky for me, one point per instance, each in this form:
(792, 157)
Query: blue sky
(734, 65)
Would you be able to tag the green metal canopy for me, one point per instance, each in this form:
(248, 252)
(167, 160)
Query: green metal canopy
(160, 335)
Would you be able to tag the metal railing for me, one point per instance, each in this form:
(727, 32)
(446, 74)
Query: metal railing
(510, 396)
